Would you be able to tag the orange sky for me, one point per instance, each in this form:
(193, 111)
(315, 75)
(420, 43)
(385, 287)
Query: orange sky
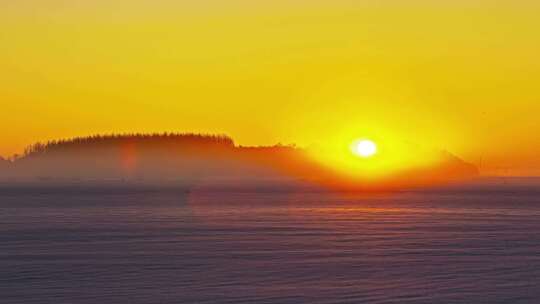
(456, 75)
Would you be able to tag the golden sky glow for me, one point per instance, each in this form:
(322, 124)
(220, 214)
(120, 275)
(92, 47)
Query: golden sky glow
(457, 75)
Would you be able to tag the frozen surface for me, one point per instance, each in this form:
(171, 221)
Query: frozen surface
(263, 247)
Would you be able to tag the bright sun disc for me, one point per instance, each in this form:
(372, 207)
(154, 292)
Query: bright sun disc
(365, 148)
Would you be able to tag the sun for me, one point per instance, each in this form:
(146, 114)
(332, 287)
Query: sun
(364, 148)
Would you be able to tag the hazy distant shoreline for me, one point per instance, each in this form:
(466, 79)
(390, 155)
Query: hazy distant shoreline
(200, 160)
(503, 185)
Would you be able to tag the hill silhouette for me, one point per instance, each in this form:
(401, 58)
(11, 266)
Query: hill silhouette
(194, 159)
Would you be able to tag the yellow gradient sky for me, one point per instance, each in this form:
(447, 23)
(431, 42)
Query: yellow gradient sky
(457, 75)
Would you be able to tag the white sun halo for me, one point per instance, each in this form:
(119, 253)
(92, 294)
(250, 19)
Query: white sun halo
(364, 148)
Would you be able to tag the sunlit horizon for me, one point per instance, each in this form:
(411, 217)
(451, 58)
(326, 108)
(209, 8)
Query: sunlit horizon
(459, 76)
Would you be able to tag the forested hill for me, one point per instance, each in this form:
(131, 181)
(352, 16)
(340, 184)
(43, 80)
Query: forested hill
(158, 158)
(192, 159)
